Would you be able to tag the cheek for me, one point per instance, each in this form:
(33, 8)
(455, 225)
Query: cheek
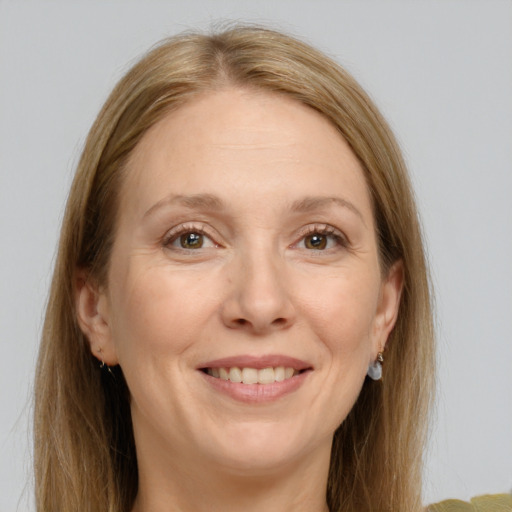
(160, 312)
(341, 320)
(342, 314)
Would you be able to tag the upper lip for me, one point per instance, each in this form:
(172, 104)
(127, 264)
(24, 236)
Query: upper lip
(258, 362)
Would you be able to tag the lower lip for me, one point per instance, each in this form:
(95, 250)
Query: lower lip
(257, 393)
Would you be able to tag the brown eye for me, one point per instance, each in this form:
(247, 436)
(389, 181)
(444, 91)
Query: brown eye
(191, 241)
(316, 241)
(188, 238)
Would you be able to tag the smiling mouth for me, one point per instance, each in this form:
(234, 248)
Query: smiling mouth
(249, 375)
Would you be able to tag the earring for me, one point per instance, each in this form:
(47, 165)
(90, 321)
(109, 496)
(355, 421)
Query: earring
(375, 369)
(103, 365)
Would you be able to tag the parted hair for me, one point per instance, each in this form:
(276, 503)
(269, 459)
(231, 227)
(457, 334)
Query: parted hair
(84, 452)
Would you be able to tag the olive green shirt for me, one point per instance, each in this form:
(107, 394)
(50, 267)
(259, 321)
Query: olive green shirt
(487, 503)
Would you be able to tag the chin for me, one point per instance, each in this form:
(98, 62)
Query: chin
(263, 447)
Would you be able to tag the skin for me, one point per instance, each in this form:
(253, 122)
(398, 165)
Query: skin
(257, 286)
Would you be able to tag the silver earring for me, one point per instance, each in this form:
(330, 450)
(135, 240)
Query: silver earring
(104, 366)
(375, 369)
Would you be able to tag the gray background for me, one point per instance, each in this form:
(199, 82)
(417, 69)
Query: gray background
(441, 71)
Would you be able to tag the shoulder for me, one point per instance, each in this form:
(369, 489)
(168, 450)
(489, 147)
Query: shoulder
(487, 503)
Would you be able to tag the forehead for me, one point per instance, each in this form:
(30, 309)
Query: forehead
(242, 141)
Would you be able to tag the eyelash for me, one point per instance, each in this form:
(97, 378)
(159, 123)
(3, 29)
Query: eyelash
(184, 229)
(324, 230)
(315, 229)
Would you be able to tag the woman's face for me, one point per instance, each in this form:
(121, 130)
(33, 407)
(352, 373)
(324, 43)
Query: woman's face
(245, 250)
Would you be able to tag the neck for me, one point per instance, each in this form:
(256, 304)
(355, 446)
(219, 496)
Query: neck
(169, 484)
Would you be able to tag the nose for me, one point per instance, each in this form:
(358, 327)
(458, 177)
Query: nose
(259, 299)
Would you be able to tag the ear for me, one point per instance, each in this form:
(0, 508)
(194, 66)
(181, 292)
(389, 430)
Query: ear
(93, 316)
(388, 306)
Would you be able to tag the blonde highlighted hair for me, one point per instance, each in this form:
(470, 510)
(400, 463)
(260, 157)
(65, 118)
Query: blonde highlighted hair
(84, 448)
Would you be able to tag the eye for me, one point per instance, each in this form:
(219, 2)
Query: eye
(188, 238)
(191, 240)
(322, 238)
(316, 241)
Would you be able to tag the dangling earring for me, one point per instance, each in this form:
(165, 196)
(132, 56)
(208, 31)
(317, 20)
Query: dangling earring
(103, 365)
(375, 369)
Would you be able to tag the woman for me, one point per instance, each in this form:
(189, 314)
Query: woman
(240, 312)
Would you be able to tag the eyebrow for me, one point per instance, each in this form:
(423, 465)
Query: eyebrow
(193, 201)
(311, 203)
(212, 202)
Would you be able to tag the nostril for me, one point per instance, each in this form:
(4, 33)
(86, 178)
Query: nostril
(244, 323)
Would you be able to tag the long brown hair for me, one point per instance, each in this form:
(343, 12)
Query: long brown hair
(84, 448)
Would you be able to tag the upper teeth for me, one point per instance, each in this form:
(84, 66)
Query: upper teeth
(253, 375)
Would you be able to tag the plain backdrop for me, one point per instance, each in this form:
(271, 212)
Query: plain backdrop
(441, 72)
